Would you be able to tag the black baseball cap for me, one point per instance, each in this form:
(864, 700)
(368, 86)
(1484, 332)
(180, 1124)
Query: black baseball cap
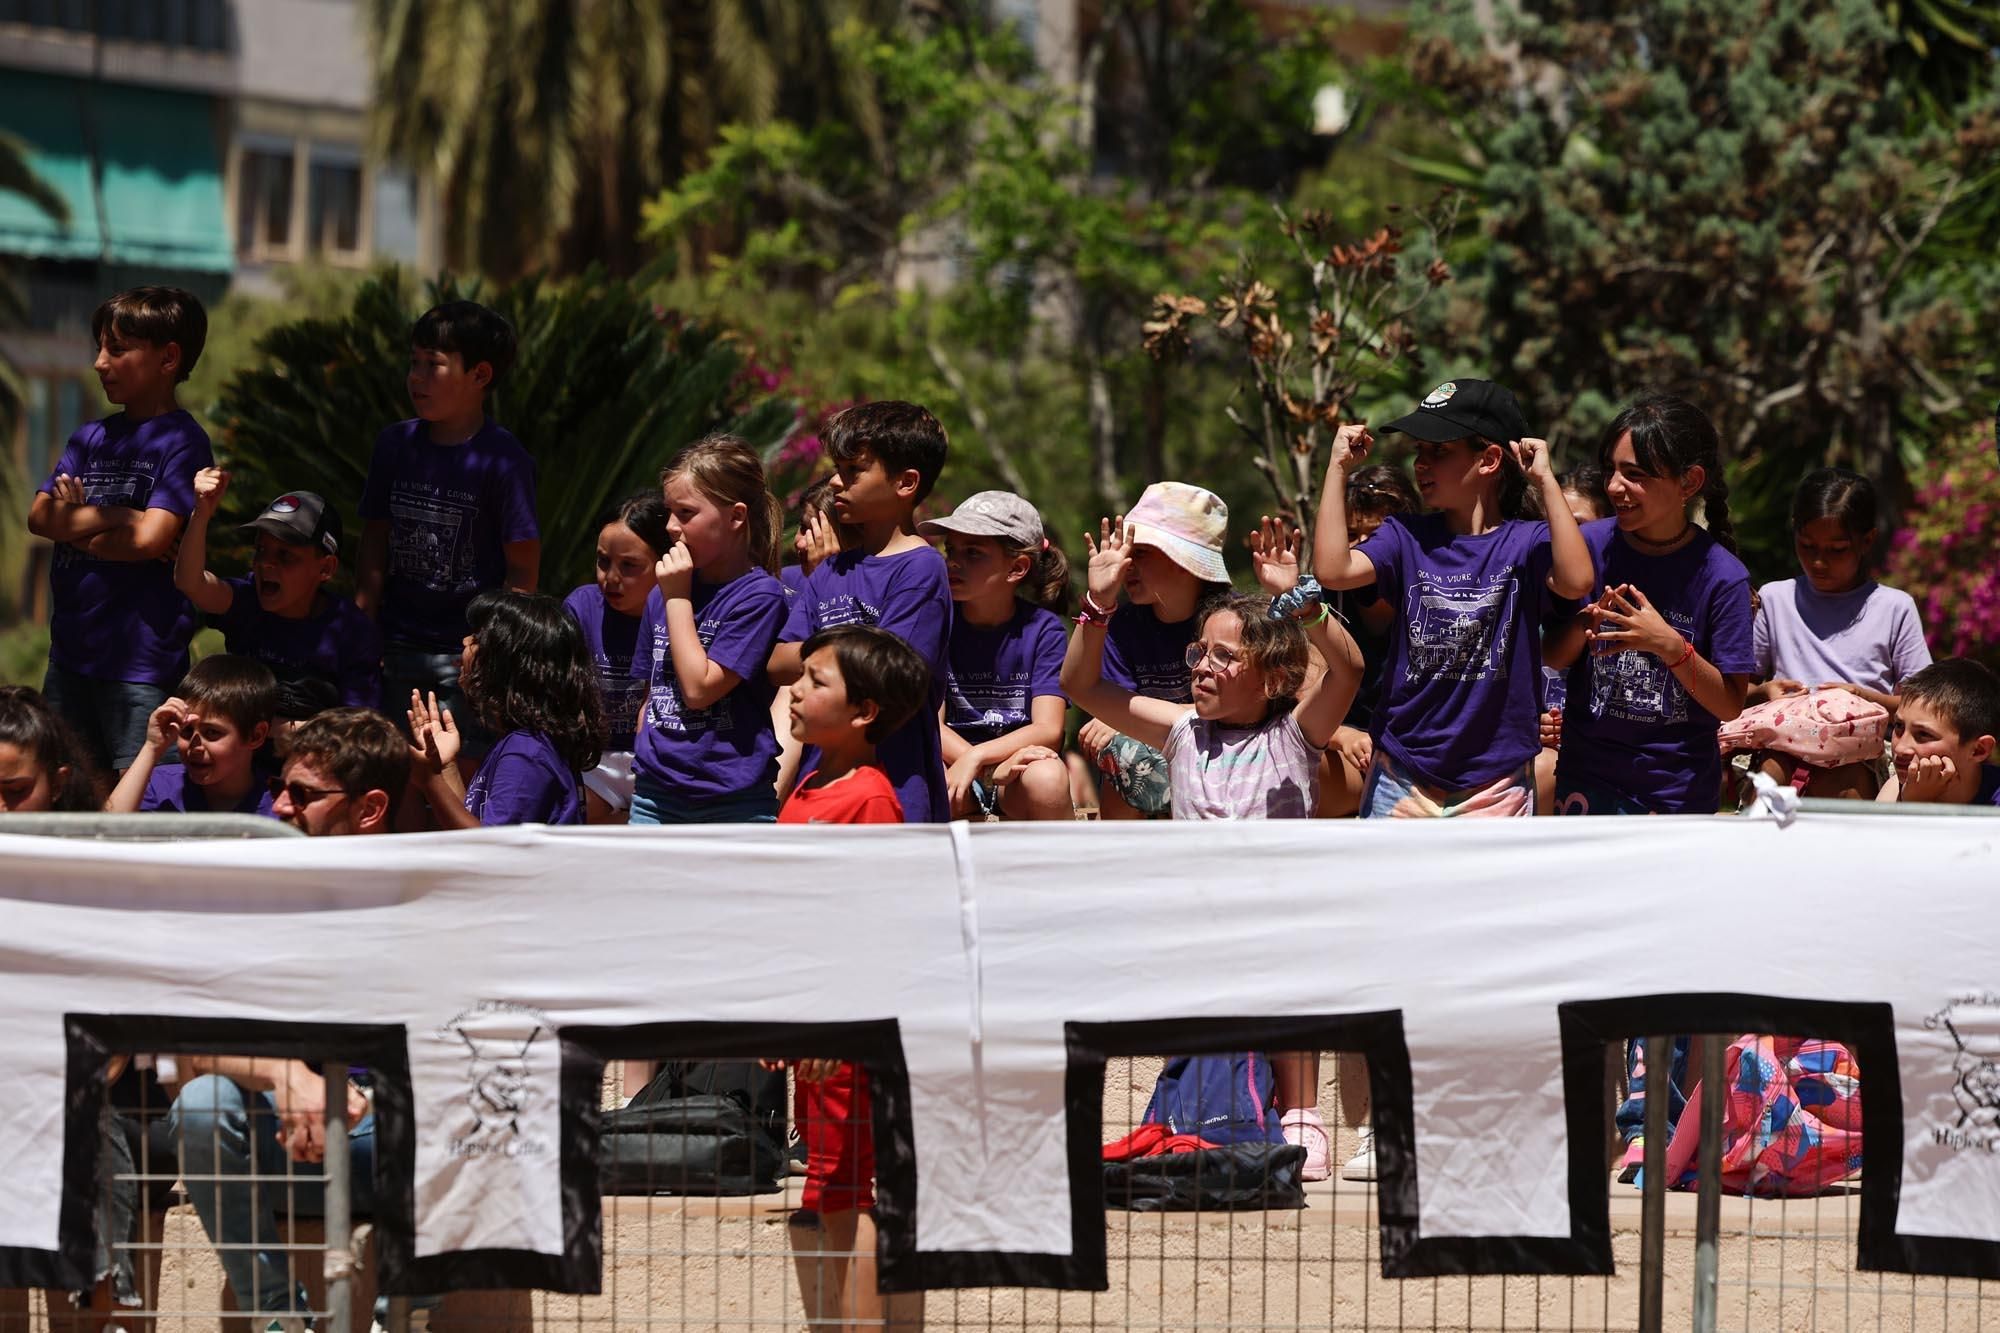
(300, 518)
(1458, 408)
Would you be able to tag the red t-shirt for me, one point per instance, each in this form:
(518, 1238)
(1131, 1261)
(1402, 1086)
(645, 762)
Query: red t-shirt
(865, 796)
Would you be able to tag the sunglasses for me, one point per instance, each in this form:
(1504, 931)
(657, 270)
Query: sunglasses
(301, 794)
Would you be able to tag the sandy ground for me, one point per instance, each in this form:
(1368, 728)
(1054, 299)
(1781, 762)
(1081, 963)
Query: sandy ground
(723, 1264)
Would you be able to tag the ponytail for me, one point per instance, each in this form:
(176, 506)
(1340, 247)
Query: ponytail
(728, 471)
(1047, 583)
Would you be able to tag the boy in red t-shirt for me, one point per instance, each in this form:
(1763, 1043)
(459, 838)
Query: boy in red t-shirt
(857, 684)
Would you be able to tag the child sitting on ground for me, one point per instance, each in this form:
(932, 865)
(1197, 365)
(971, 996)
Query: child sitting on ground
(43, 767)
(221, 717)
(611, 612)
(1946, 722)
(1002, 688)
(857, 685)
(323, 651)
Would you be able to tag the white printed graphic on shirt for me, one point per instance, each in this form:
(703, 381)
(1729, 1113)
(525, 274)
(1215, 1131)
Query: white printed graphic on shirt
(1638, 687)
(844, 609)
(1460, 631)
(663, 707)
(984, 699)
(430, 544)
(120, 485)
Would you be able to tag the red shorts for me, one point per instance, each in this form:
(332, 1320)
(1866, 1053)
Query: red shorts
(834, 1119)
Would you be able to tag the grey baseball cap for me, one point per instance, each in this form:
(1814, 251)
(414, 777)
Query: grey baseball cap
(1001, 514)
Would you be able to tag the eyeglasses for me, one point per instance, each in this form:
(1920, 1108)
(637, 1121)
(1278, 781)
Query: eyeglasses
(1225, 661)
(301, 794)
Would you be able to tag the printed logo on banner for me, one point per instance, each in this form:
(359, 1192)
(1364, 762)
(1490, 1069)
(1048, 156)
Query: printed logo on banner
(502, 1077)
(1972, 1020)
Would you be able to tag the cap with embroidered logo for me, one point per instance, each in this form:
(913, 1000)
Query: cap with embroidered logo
(1458, 408)
(300, 518)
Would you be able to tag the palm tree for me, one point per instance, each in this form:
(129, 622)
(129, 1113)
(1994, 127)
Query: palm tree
(547, 122)
(17, 176)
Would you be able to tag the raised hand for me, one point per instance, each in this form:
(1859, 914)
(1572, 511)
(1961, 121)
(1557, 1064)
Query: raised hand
(819, 538)
(1274, 555)
(1110, 560)
(675, 572)
(434, 737)
(165, 725)
(1351, 445)
(210, 485)
(1533, 456)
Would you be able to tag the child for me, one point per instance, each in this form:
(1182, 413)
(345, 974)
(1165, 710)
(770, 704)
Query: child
(320, 647)
(1455, 730)
(706, 752)
(858, 685)
(1249, 745)
(449, 509)
(529, 679)
(887, 456)
(611, 612)
(1946, 722)
(819, 535)
(43, 766)
(1176, 564)
(1669, 633)
(114, 506)
(1836, 626)
(1002, 686)
(221, 717)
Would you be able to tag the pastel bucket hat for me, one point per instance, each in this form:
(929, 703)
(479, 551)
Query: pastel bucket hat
(1184, 523)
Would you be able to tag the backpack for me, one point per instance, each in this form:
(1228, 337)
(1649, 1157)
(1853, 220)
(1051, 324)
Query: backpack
(1825, 728)
(699, 1127)
(1218, 1098)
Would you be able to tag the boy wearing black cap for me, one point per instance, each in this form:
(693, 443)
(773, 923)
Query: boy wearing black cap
(323, 650)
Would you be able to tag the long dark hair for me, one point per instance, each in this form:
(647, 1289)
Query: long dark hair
(1670, 436)
(532, 673)
(1836, 493)
(644, 513)
(29, 724)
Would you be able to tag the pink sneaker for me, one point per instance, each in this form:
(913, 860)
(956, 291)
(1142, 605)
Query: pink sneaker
(1304, 1128)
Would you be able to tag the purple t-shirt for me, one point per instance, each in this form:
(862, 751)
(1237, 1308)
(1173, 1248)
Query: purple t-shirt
(335, 643)
(1461, 684)
(451, 509)
(169, 789)
(727, 748)
(523, 780)
(1630, 725)
(613, 640)
(1989, 785)
(1869, 635)
(125, 619)
(1148, 656)
(908, 595)
(794, 579)
(995, 672)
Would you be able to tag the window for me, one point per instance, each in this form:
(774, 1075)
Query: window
(398, 222)
(333, 207)
(264, 202)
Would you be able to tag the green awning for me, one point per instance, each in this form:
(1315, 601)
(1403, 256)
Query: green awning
(156, 199)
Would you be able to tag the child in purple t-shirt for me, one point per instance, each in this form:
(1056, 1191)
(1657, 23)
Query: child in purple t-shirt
(449, 507)
(114, 505)
(220, 717)
(706, 751)
(1455, 729)
(887, 456)
(1669, 628)
(323, 651)
(1835, 627)
(1003, 691)
(529, 679)
(611, 611)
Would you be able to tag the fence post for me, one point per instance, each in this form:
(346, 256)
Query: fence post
(339, 1256)
(1659, 1057)
(1708, 1202)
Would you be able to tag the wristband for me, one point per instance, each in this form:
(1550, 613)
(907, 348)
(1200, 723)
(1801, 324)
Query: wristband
(1090, 613)
(1682, 660)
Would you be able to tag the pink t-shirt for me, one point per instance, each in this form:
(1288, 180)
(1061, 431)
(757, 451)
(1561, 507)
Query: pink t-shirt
(1262, 772)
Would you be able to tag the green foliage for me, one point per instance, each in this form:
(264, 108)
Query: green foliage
(604, 391)
(1948, 557)
(24, 655)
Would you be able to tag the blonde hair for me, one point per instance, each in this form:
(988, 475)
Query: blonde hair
(729, 472)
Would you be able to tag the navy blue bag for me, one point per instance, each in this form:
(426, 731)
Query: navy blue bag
(1219, 1098)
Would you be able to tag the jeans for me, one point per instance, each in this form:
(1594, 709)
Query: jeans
(108, 716)
(655, 803)
(1631, 1118)
(222, 1131)
(406, 667)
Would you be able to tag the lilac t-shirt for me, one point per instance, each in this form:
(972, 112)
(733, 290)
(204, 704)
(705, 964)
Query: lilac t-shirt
(452, 509)
(997, 671)
(125, 619)
(168, 788)
(727, 748)
(523, 780)
(1461, 683)
(1221, 772)
(613, 640)
(1868, 636)
(335, 643)
(908, 595)
(1631, 725)
(1148, 656)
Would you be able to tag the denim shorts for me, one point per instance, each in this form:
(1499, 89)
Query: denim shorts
(108, 716)
(1392, 791)
(656, 803)
(406, 667)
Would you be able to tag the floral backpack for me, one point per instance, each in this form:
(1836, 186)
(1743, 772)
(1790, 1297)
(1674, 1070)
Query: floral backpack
(1825, 728)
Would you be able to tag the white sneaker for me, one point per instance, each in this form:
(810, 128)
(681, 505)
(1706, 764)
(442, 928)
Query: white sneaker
(1361, 1166)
